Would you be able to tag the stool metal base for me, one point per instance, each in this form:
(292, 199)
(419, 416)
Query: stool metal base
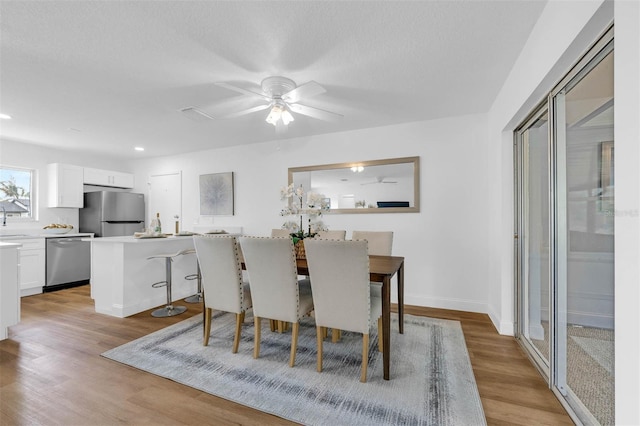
(196, 298)
(168, 311)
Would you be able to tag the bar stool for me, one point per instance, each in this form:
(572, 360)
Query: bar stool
(196, 298)
(169, 310)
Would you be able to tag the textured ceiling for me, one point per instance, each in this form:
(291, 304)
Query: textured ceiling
(105, 76)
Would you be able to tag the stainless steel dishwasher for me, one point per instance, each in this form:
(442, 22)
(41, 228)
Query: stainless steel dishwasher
(68, 262)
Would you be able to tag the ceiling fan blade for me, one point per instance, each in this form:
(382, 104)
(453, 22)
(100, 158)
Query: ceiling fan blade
(247, 111)
(307, 90)
(195, 114)
(243, 91)
(315, 112)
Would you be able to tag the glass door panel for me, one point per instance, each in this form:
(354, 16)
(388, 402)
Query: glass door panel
(533, 150)
(584, 218)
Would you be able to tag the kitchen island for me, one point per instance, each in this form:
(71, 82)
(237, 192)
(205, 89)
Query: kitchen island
(121, 275)
(9, 288)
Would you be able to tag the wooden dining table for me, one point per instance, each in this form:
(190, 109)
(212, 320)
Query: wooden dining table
(381, 270)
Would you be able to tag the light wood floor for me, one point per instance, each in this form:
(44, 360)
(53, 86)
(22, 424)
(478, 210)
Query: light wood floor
(51, 372)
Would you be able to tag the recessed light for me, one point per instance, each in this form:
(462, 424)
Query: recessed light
(139, 148)
(5, 117)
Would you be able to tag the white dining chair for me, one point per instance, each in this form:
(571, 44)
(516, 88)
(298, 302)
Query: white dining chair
(280, 233)
(275, 290)
(331, 235)
(222, 283)
(342, 268)
(380, 242)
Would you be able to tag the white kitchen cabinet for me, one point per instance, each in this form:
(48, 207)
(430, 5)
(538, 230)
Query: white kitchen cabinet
(65, 185)
(9, 294)
(101, 177)
(32, 265)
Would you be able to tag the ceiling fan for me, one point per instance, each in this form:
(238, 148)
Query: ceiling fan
(281, 96)
(378, 180)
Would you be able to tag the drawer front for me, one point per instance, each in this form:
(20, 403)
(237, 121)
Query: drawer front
(31, 244)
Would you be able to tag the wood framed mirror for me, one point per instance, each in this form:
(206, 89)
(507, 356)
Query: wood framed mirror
(376, 186)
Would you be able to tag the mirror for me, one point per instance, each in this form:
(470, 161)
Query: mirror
(376, 186)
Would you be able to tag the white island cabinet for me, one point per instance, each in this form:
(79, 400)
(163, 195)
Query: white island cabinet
(121, 275)
(9, 288)
(32, 265)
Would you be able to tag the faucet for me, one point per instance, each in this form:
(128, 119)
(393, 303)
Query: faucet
(4, 216)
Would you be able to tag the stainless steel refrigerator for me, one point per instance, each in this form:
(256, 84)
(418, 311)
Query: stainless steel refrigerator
(111, 214)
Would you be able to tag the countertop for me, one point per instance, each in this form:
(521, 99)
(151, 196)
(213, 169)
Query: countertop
(131, 239)
(9, 245)
(27, 234)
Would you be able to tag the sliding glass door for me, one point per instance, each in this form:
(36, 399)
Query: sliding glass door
(533, 150)
(565, 251)
(584, 221)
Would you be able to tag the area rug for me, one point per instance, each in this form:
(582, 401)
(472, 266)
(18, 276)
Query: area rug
(432, 381)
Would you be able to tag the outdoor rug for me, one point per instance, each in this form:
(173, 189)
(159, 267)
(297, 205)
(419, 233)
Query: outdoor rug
(432, 382)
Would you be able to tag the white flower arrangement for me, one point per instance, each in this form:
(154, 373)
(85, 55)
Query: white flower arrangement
(313, 207)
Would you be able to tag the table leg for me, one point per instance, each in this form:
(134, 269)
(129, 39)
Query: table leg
(204, 311)
(386, 325)
(401, 298)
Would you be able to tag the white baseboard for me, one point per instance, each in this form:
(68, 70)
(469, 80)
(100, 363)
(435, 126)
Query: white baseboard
(505, 328)
(446, 303)
(590, 319)
(30, 291)
(502, 327)
(536, 332)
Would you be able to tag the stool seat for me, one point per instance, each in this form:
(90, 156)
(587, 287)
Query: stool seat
(165, 255)
(196, 298)
(169, 310)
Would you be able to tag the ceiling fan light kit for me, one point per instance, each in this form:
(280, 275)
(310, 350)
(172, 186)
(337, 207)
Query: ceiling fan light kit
(282, 96)
(279, 111)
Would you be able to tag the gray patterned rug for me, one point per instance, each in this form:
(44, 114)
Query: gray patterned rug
(432, 382)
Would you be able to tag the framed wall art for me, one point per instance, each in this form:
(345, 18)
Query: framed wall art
(216, 194)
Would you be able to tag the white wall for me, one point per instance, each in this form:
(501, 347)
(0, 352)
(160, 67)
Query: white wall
(449, 231)
(564, 31)
(37, 157)
(627, 228)
(572, 26)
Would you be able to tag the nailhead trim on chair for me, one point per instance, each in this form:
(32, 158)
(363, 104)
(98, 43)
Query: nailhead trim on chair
(295, 275)
(294, 272)
(369, 320)
(236, 250)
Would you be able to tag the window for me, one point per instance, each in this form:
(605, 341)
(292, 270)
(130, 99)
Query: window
(16, 192)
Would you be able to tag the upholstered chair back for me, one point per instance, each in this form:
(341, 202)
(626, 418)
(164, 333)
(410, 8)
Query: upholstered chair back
(221, 270)
(279, 232)
(273, 277)
(339, 272)
(331, 235)
(380, 242)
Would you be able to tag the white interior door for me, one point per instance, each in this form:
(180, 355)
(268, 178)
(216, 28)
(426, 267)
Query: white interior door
(165, 197)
